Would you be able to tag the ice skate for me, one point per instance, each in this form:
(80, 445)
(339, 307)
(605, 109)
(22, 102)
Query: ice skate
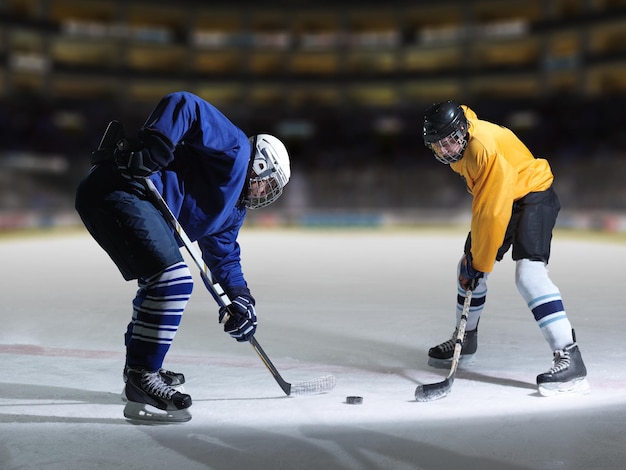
(440, 356)
(173, 379)
(151, 399)
(567, 375)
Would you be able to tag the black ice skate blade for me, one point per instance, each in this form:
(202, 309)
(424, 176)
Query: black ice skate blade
(142, 413)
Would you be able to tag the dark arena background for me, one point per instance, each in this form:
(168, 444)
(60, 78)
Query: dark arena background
(345, 84)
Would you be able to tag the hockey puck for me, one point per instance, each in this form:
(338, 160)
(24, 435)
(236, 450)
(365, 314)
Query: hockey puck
(354, 400)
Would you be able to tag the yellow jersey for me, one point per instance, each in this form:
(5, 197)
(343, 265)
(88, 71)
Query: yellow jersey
(498, 170)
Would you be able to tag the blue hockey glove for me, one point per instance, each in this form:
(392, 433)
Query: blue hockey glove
(468, 276)
(241, 322)
(139, 158)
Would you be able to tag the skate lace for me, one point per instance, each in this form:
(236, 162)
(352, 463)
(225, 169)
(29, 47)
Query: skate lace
(152, 383)
(560, 362)
(447, 346)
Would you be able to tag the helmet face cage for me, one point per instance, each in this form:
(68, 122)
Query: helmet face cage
(445, 131)
(449, 149)
(269, 176)
(263, 191)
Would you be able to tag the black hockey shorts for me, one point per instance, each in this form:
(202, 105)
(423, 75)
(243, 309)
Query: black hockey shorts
(530, 228)
(119, 215)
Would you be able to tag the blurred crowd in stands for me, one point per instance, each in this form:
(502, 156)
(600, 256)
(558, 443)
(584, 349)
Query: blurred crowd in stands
(351, 159)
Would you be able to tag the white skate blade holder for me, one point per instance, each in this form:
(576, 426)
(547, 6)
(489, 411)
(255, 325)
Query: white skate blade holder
(149, 414)
(578, 386)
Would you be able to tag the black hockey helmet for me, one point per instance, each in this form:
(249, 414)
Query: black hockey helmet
(445, 131)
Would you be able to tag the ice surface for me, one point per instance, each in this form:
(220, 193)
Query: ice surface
(364, 306)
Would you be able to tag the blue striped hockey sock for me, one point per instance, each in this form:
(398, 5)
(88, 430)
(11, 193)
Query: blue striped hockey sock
(157, 311)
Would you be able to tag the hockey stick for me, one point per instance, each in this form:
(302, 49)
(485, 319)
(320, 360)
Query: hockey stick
(309, 387)
(429, 392)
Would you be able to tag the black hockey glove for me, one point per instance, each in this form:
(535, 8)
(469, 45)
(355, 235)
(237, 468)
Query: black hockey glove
(139, 158)
(241, 322)
(468, 276)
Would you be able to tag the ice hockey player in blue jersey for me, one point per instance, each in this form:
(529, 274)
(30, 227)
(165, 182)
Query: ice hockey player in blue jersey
(209, 173)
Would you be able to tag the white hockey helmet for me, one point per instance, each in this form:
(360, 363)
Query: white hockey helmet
(270, 170)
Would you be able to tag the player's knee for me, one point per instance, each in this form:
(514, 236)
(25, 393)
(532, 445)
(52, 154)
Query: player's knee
(528, 274)
(175, 279)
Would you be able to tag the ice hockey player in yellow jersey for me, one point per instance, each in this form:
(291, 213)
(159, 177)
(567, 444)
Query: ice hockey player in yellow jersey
(514, 206)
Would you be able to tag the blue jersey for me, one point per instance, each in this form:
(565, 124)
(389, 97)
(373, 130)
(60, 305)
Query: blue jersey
(204, 182)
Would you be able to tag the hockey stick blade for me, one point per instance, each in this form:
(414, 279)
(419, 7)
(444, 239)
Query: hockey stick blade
(315, 386)
(430, 392)
(310, 387)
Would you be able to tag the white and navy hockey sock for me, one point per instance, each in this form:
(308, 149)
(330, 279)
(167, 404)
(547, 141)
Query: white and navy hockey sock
(157, 311)
(544, 300)
(477, 304)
